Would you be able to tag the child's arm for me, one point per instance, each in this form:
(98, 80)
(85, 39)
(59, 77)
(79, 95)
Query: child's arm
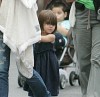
(48, 38)
(62, 30)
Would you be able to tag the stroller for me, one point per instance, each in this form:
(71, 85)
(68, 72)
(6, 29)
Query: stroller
(67, 61)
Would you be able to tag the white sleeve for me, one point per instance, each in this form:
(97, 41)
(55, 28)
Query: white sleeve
(28, 3)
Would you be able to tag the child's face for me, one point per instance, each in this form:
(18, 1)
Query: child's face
(48, 28)
(59, 13)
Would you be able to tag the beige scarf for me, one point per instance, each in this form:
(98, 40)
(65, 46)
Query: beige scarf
(20, 27)
(72, 18)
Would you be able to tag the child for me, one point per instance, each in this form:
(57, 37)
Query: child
(46, 62)
(62, 12)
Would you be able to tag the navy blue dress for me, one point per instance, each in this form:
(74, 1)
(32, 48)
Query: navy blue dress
(46, 64)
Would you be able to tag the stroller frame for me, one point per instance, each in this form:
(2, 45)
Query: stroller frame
(73, 74)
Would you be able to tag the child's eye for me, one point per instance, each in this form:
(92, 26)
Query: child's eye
(59, 12)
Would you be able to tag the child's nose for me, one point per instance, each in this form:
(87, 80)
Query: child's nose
(56, 15)
(51, 25)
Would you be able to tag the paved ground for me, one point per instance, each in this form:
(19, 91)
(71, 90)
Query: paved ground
(16, 91)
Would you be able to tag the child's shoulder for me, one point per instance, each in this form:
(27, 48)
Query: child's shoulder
(66, 24)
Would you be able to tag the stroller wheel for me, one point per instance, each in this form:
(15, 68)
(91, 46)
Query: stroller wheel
(72, 78)
(19, 81)
(63, 81)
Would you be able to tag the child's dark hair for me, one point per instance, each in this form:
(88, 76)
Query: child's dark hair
(47, 17)
(60, 3)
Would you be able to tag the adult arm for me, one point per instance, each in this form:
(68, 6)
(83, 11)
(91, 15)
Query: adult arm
(40, 4)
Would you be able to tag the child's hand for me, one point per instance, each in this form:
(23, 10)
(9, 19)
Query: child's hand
(48, 38)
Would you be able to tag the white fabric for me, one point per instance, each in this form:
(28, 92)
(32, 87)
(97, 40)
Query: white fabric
(21, 29)
(72, 18)
(25, 62)
(3, 14)
(65, 24)
(28, 3)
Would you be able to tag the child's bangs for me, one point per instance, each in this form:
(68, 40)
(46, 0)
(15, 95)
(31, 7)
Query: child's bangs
(51, 20)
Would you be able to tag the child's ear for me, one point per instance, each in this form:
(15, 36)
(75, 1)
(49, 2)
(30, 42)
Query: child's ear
(65, 14)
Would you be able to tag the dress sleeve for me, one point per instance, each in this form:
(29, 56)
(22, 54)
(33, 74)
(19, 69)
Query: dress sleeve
(28, 3)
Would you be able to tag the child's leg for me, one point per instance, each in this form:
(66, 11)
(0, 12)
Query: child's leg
(37, 86)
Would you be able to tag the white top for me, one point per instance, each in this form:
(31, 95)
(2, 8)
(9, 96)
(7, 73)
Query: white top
(20, 27)
(65, 24)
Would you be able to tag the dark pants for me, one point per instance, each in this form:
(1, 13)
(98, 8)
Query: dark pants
(36, 87)
(4, 67)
